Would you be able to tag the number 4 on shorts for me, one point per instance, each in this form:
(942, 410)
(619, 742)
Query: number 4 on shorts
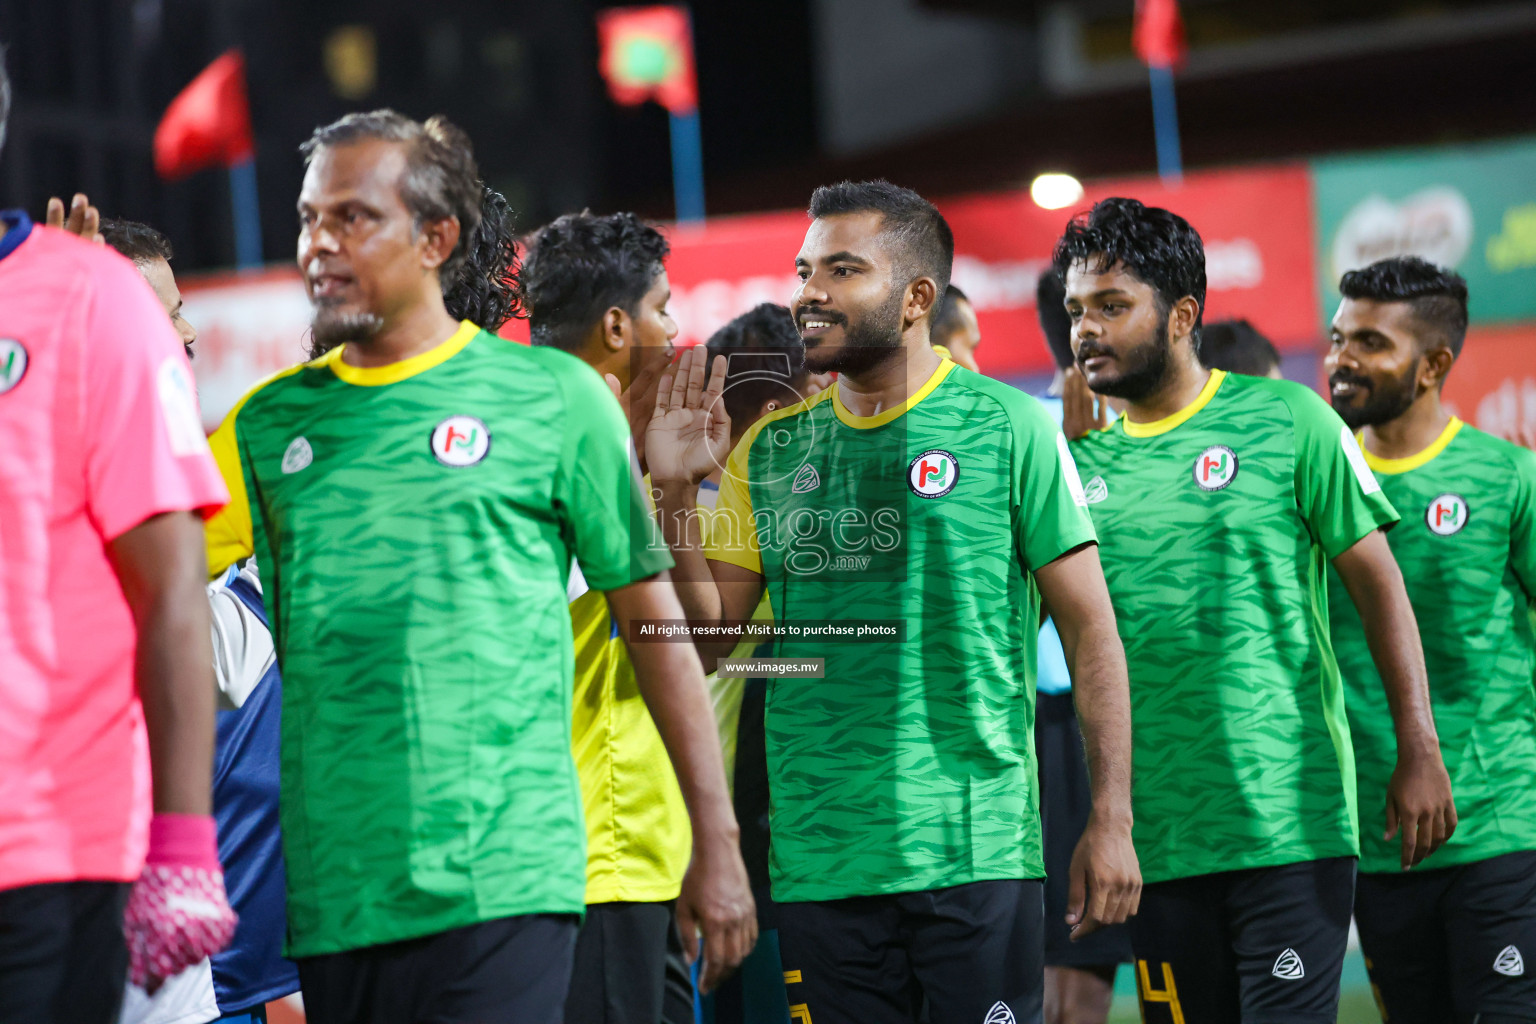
(1169, 993)
(800, 1013)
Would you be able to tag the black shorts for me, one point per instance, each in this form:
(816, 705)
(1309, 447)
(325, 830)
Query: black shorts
(1262, 945)
(514, 970)
(62, 955)
(973, 952)
(1453, 944)
(1065, 800)
(629, 968)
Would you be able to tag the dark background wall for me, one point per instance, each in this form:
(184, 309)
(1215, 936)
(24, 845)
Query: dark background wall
(945, 95)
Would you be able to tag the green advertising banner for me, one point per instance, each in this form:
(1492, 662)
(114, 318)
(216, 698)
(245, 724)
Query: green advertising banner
(1472, 208)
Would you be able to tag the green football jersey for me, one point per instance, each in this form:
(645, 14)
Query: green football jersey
(911, 765)
(415, 525)
(1214, 527)
(1467, 549)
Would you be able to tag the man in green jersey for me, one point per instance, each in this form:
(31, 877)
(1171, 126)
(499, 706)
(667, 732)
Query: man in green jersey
(416, 496)
(936, 508)
(1219, 499)
(1455, 943)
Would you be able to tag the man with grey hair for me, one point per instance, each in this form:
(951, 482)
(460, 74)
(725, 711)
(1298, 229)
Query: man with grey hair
(432, 825)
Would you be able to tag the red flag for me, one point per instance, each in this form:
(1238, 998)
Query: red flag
(1159, 34)
(647, 53)
(208, 124)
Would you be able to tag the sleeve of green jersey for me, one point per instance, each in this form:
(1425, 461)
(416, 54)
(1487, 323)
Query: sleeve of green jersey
(1522, 526)
(598, 495)
(1050, 511)
(1339, 496)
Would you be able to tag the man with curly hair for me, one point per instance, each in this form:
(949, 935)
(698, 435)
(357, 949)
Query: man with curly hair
(416, 497)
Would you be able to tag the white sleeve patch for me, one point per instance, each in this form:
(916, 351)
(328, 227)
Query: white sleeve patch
(178, 405)
(1069, 470)
(1368, 482)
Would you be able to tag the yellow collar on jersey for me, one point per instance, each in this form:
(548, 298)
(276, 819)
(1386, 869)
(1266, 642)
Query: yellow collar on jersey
(1167, 423)
(880, 419)
(393, 373)
(1403, 465)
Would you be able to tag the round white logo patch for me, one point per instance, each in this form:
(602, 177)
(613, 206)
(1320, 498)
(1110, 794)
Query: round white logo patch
(1216, 467)
(13, 363)
(933, 473)
(460, 441)
(1447, 514)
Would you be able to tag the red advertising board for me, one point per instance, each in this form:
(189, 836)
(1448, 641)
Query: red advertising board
(1493, 384)
(1256, 223)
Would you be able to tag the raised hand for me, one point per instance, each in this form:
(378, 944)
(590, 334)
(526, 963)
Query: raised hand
(689, 436)
(83, 218)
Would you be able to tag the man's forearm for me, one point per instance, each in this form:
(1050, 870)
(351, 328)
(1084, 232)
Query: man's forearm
(1392, 633)
(174, 669)
(677, 509)
(1375, 584)
(672, 684)
(1101, 693)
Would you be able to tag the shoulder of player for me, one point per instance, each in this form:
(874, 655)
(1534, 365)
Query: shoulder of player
(266, 386)
(800, 408)
(1518, 460)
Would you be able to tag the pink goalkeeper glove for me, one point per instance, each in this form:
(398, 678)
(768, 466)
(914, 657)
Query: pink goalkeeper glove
(177, 912)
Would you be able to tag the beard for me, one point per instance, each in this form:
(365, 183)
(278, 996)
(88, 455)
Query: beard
(330, 327)
(1382, 404)
(1142, 368)
(867, 342)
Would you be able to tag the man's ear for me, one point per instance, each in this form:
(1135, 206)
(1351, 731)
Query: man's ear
(921, 295)
(438, 238)
(618, 329)
(1435, 367)
(1183, 317)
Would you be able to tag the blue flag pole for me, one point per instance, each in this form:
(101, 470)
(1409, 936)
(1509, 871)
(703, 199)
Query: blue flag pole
(247, 213)
(687, 167)
(1165, 122)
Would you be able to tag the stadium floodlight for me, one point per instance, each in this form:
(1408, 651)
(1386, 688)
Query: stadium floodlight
(1053, 191)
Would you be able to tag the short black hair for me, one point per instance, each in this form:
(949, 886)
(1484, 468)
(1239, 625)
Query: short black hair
(1055, 321)
(441, 177)
(139, 242)
(1438, 295)
(946, 319)
(581, 265)
(1159, 247)
(1237, 347)
(925, 246)
(765, 359)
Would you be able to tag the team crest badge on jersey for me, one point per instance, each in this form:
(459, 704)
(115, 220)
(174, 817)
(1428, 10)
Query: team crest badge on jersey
(1288, 966)
(1216, 468)
(460, 441)
(1510, 963)
(13, 363)
(298, 456)
(1096, 491)
(806, 480)
(1000, 1014)
(1447, 514)
(933, 474)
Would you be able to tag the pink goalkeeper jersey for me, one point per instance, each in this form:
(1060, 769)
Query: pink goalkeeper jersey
(99, 430)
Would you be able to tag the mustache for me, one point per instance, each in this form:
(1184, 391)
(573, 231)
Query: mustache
(817, 313)
(1087, 350)
(1345, 377)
